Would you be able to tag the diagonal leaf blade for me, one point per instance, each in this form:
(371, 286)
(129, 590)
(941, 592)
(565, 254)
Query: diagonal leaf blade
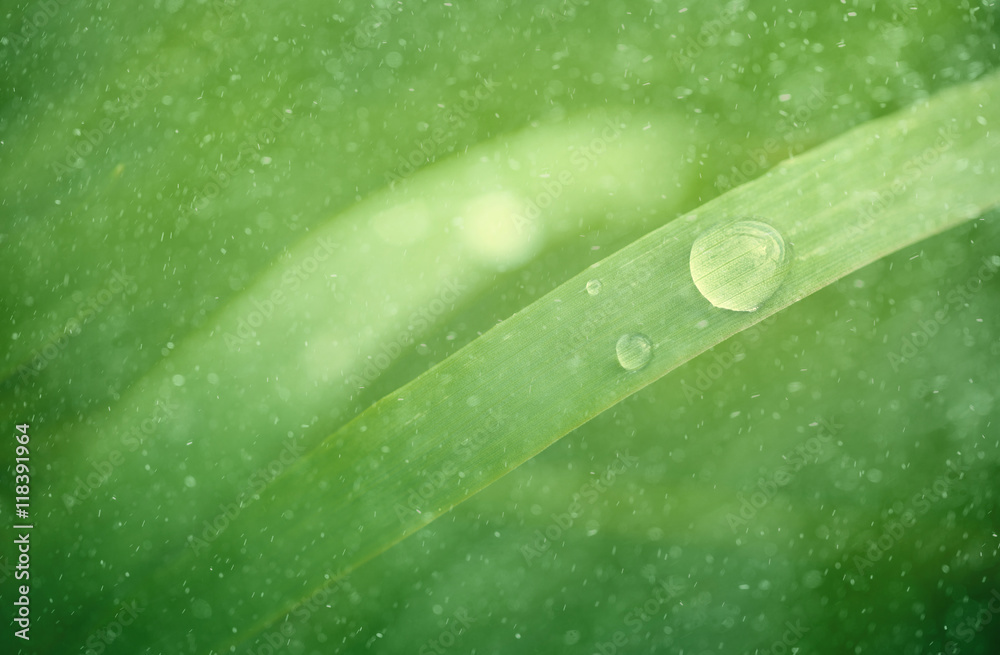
(503, 398)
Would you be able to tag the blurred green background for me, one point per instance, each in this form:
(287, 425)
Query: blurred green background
(191, 149)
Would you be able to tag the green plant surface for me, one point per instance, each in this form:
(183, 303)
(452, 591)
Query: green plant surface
(455, 429)
(152, 421)
(258, 365)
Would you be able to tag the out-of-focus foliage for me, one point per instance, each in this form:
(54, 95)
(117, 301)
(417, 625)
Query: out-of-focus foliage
(157, 163)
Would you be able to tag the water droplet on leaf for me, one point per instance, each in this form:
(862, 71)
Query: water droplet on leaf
(594, 287)
(634, 351)
(739, 265)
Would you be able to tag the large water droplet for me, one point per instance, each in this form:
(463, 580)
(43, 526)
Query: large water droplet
(739, 265)
(634, 351)
(594, 287)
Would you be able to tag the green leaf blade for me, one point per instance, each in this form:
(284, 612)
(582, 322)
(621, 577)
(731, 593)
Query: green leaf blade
(502, 399)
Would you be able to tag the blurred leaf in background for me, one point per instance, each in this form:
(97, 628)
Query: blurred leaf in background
(823, 481)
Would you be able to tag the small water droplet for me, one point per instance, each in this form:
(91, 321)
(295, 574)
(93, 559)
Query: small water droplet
(739, 265)
(594, 287)
(634, 351)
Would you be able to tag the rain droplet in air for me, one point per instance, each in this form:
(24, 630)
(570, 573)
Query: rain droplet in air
(634, 351)
(594, 287)
(739, 265)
